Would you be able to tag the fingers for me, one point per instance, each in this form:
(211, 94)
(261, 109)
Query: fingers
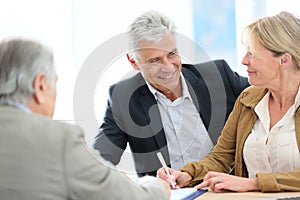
(166, 174)
(210, 175)
(170, 180)
(214, 183)
(201, 185)
(219, 182)
(161, 173)
(180, 178)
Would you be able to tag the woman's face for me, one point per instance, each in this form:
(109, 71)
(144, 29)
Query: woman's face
(262, 66)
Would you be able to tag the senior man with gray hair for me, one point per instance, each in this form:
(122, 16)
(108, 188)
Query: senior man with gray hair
(168, 106)
(45, 159)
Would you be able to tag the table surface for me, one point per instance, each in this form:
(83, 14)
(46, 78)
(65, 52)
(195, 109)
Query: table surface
(244, 195)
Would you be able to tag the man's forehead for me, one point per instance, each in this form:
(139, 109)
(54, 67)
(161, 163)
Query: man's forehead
(154, 52)
(152, 49)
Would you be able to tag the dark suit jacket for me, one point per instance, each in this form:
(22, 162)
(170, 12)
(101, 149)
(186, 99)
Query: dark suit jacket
(132, 114)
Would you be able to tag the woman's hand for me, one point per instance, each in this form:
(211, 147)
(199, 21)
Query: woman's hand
(221, 181)
(181, 178)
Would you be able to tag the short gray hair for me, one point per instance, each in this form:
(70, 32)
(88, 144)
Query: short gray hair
(150, 26)
(20, 61)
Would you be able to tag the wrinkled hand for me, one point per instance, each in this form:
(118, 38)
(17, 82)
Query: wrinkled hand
(221, 181)
(181, 178)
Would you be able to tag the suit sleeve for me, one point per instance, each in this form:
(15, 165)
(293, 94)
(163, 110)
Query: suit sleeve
(90, 177)
(111, 140)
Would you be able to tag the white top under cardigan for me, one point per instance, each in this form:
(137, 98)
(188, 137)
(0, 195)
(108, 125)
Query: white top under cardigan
(272, 150)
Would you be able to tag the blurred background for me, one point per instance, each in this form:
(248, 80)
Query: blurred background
(75, 28)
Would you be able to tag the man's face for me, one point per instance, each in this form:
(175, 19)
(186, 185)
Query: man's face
(160, 64)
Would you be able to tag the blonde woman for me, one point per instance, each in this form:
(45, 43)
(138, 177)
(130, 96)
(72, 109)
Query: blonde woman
(262, 134)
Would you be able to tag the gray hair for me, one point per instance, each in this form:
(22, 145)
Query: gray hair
(20, 61)
(150, 26)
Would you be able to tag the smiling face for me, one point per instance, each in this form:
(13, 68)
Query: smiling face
(160, 64)
(263, 66)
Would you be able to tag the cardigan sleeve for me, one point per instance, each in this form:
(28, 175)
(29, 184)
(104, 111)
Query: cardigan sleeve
(222, 156)
(279, 182)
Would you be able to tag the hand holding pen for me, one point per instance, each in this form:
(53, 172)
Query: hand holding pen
(179, 178)
(165, 167)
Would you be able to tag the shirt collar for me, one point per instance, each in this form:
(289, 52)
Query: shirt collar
(185, 90)
(15, 104)
(252, 98)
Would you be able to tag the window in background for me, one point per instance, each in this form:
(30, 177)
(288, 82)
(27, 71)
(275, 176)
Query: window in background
(249, 10)
(246, 11)
(214, 28)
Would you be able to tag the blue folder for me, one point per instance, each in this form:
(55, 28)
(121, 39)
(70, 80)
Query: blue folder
(195, 194)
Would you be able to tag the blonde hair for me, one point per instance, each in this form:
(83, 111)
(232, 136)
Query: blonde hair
(279, 33)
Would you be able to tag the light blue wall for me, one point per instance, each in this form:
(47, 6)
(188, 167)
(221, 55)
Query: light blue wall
(215, 28)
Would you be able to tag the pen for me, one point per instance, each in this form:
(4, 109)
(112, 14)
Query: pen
(162, 161)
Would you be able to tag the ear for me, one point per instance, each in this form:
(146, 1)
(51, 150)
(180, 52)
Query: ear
(132, 62)
(286, 59)
(39, 86)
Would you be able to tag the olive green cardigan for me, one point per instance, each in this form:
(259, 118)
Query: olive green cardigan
(229, 148)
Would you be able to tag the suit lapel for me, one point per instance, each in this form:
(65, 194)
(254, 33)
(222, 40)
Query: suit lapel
(200, 95)
(151, 111)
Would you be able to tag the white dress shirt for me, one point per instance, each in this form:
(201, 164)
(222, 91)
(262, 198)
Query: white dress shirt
(186, 135)
(272, 150)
